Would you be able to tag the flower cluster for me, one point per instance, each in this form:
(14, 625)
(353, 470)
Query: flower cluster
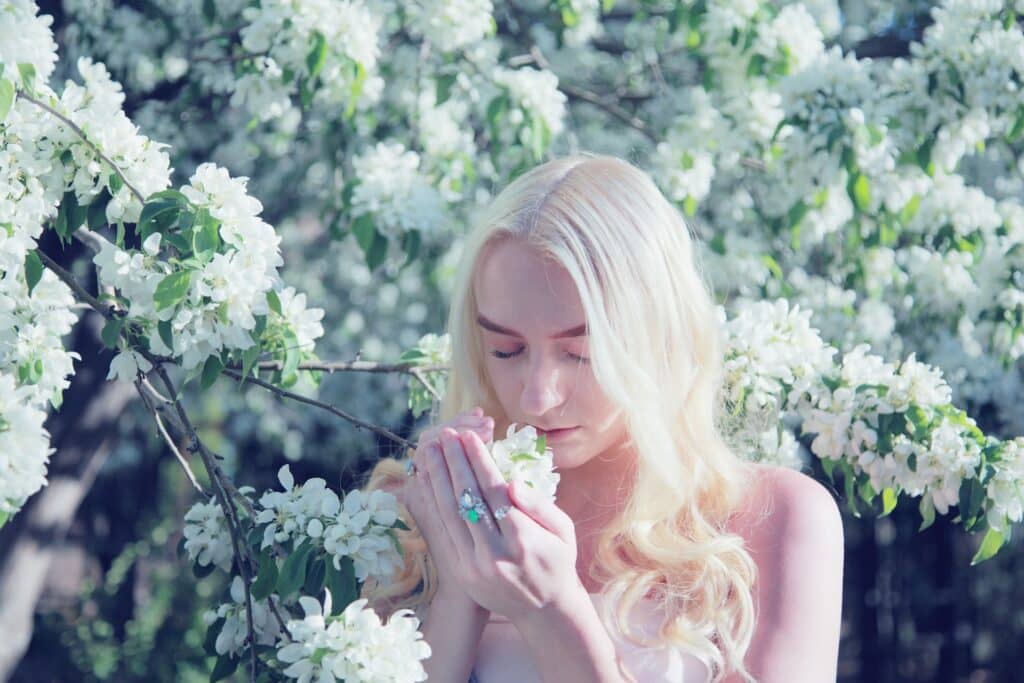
(360, 527)
(234, 629)
(452, 24)
(207, 538)
(302, 42)
(24, 446)
(354, 646)
(431, 349)
(524, 457)
(392, 191)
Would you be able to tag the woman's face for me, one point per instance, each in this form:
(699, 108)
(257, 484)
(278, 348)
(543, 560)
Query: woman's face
(536, 353)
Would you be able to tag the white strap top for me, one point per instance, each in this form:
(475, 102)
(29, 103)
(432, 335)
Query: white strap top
(502, 656)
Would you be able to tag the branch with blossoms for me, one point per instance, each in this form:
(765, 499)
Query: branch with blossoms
(889, 429)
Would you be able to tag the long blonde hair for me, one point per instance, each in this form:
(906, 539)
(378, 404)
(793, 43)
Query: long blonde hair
(655, 351)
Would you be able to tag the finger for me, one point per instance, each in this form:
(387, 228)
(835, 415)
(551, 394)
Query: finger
(447, 503)
(423, 507)
(494, 488)
(542, 510)
(483, 530)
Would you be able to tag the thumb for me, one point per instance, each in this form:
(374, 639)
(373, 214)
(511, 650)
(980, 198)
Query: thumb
(542, 510)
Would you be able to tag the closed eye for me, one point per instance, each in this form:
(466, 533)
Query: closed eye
(503, 355)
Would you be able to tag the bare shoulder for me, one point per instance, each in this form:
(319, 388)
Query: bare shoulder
(787, 504)
(794, 534)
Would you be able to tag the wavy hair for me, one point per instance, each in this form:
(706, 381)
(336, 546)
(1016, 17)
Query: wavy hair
(656, 352)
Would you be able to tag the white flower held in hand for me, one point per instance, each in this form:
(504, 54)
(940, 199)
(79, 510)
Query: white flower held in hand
(525, 457)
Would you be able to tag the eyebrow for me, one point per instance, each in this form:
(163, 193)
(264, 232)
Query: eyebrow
(578, 331)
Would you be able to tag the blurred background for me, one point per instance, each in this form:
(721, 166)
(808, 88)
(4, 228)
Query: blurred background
(91, 561)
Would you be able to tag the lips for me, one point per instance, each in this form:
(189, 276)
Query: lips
(555, 432)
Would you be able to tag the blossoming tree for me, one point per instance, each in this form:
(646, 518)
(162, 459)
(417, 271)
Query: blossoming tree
(861, 220)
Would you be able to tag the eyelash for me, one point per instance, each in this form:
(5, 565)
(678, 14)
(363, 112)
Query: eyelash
(503, 356)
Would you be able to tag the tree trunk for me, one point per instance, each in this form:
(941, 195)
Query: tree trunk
(81, 434)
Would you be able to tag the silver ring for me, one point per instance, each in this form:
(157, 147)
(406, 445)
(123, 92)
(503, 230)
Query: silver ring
(410, 468)
(502, 511)
(471, 506)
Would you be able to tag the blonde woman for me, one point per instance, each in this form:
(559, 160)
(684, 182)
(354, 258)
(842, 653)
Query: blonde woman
(579, 308)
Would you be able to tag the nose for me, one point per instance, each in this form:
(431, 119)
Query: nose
(543, 388)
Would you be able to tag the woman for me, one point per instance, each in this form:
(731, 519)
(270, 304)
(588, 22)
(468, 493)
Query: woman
(579, 309)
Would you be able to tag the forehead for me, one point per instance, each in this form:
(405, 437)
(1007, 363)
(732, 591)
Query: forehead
(516, 287)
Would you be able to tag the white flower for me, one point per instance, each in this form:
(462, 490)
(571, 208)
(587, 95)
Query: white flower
(392, 189)
(520, 458)
(288, 513)
(207, 539)
(362, 530)
(126, 366)
(451, 24)
(353, 646)
(235, 632)
(24, 446)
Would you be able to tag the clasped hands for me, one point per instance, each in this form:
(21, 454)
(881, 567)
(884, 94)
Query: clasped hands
(515, 566)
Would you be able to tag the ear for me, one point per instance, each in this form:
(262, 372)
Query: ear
(542, 511)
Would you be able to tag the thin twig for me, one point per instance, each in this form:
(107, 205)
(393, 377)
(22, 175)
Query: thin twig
(360, 424)
(69, 279)
(220, 490)
(81, 133)
(348, 366)
(167, 438)
(418, 374)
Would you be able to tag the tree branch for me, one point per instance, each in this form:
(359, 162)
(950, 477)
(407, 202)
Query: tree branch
(360, 424)
(81, 133)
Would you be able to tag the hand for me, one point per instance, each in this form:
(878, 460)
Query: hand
(423, 509)
(515, 566)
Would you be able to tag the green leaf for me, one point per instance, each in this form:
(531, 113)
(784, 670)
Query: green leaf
(249, 358)
(866, 491)
(292, 354)
(689, 206)
(96, 214)
(210, 642)
(115, 183)
(317, 55)
(828, 465)
(542, 444)
(274, 302)
(972, 498)
(205, 233)
(33, 270)
(364, 230)
(211, 371)
(411, 246)
(172, 289)
(539, 137)
(443, 86)
(166, 332)
(1016, 131)
(6, 97)
(266, 576)
(927, 510)
(157, 216)
(495, 111)
(315, 576)
(990, 545)
(377, 252)
(889, 498)
(861, 192)
(342, 583)
(908, 212)
(112, 332)
(224, 667)
(28, 75)
(399, 524)
(293, 571)
(200, 571)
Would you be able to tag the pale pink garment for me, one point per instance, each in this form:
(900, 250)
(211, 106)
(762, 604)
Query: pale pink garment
(502, 656)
